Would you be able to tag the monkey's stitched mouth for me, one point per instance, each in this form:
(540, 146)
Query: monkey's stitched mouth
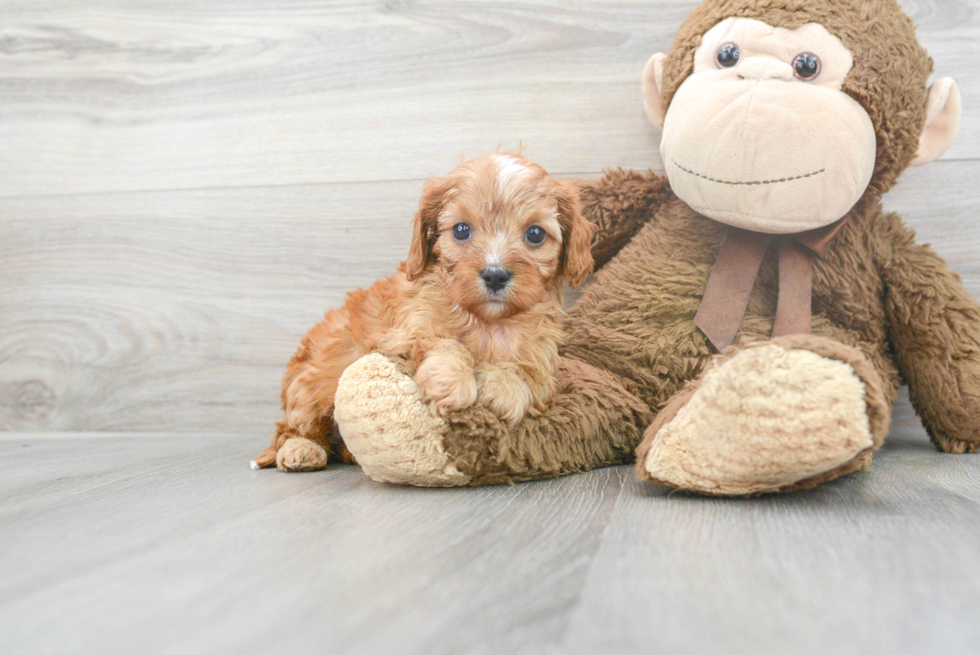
(733, 183)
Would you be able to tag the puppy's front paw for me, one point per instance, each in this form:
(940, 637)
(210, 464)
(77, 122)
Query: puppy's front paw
(503, 390)
(447, 394)
(447, 383)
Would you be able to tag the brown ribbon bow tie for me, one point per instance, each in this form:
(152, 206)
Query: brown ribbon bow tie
(733, 276)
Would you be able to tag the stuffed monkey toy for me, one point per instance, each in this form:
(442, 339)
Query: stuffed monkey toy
(755, 309)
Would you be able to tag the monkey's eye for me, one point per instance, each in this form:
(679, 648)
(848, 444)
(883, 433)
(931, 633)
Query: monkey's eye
(806, 66)
(535, 235)
(728, 55)
(461, 231)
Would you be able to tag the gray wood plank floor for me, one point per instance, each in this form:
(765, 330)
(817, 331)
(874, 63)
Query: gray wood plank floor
(170, 544)
(186, 186)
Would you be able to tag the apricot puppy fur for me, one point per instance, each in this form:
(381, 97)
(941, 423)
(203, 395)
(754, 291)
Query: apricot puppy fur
(474, 312)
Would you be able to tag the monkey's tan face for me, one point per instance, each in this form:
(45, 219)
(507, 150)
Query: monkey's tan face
(761, 136)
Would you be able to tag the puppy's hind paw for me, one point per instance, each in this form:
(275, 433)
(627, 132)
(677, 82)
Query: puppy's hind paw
(299, 454)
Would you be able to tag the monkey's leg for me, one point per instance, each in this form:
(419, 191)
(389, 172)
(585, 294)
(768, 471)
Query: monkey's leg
(778, 415)
(594, 421)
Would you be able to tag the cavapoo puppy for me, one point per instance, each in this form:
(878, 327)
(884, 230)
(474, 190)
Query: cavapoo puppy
(474, 313)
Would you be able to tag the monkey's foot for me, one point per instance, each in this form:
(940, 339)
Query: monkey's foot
(389, 429)
(776, 416)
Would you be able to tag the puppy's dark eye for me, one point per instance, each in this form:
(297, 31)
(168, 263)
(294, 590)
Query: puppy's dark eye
(728, 55)
(535, 235)
(461, 231)
(806, 66)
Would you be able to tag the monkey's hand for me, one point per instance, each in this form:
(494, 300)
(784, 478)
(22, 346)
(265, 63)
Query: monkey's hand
(619, 204)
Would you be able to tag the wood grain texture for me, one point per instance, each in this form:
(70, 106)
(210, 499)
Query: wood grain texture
(170, 544)
(879, 562)
(185, 187)
(175, 538)
(120, 96)
(177, 310)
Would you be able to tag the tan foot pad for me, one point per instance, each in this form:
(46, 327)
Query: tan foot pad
(766, 418)
(388, 428)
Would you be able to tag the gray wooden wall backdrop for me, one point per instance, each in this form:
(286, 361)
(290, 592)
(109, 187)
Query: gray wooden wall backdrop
(185, 186)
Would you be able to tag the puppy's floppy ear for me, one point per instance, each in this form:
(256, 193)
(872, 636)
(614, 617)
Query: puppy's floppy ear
(576, 236)
(426, 227)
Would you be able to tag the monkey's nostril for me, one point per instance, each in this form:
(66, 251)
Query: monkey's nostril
(495, 278)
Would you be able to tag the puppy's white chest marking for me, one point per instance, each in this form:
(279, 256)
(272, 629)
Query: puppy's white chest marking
(504, 341)
(496, 343)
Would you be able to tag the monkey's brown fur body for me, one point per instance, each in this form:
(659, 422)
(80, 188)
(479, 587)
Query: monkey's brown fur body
(884, 309)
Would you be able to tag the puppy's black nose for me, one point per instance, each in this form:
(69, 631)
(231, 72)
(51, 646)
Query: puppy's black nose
(495, 278)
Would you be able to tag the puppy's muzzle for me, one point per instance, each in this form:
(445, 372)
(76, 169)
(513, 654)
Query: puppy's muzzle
(495, 278)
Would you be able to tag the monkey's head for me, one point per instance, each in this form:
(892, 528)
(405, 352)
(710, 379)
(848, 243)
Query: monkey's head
(779, 116)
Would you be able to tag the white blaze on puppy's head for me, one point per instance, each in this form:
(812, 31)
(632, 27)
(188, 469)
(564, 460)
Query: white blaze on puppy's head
(512, 187)
(510, 173)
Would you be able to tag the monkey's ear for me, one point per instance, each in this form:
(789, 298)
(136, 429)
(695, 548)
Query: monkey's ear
(425, 229)
(942, 121)
(653, 75)
(576, 236)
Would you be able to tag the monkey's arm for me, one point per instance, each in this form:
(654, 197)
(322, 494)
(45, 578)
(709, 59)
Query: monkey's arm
(934, 324)
(620, 203)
